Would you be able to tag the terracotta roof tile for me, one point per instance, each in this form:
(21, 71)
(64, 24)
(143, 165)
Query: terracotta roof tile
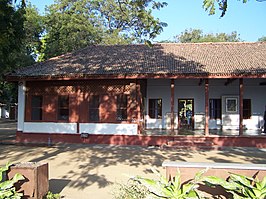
(193, 58)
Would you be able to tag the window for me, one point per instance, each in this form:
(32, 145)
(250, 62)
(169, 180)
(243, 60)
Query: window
(94, 105)
(246, 108)
(121, 110)
(36, 108)
(63, 108)
(231, 105)
(155, 108)
(215, 109)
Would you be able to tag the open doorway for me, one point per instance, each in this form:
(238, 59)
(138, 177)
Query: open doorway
(185, 113)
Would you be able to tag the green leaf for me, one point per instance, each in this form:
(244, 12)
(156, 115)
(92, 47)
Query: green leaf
(263, 182)
(199, 174)
(244, 180)
(10, 183)
(17, 177)
(219, 181)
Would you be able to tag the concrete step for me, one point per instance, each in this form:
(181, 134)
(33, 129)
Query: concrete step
(189, 143)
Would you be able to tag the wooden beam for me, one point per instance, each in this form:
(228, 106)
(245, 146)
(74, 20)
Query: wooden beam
(129, 76)
(172, 105)
(200, 82)
(229, 81)
(262, 83)
(206, 107)
(241, 92)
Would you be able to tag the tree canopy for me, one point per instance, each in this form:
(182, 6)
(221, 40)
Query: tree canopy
(71, 25)
(211, 5)
(19, 38)
(197, 36)
(26, 36)
(263, 38)
(11, 40)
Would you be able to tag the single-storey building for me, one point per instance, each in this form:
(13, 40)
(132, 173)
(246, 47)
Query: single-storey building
(137, 94)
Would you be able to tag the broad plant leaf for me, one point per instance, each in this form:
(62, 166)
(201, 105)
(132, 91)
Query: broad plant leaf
(244, 180)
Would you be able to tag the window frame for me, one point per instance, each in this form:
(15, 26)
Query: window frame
(60, 108)
(214, 112)
(92, 108)
(247, 110)
(40, 107)
(155, 112)
(122, 107)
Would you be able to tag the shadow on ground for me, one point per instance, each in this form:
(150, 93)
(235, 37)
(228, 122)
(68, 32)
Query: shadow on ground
(7, 130)
(80, 166)
(89, 158)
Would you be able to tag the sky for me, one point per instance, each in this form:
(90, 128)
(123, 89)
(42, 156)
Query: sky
(248, 19)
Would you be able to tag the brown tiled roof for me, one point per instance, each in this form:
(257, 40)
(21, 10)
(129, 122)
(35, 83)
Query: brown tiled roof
(199, 59)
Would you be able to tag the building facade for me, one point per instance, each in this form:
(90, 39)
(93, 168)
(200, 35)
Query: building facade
(124, 90)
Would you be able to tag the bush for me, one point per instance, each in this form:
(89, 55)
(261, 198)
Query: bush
(7, 189)
(51, 195)
(144, 188)
(240, 186)
(131, 190)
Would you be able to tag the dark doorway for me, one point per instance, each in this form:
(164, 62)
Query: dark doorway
(186, 113)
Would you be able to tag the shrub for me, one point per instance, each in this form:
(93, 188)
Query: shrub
(163, 188)
(7, 189)
(51, 195)
(240, 186)
(131, 190)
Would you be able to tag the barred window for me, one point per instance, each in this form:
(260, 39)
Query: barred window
(94, 105)
(155, 108)
(63, 107)
(36, 107)
(121, 104)
(246, 108)
(215, 109)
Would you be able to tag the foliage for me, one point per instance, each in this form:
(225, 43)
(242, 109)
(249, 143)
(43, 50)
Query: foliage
(240, 186)
(131, 190)
(51, 195)
(34, 28)
(20, 32)
(7, 189)
(172, 189)
(262, 38)
(210, 6)
(11, 36)
(72, 25)
(11, 32)
(197, 36)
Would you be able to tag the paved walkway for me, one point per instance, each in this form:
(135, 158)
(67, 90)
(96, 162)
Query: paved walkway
(7, 131)
(92, 171)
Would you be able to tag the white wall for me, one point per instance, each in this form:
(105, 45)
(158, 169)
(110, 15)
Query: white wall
(71, 128)
(183, 89)
(109, 129)
(50, 127)
(157, 89)
(187, 88)
(190, 88)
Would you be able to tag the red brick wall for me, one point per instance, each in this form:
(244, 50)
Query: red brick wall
(79, 93)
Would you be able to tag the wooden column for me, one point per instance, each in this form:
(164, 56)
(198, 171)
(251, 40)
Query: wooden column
(172, 105)
(139, 102)
(206, 107)
(241, 91)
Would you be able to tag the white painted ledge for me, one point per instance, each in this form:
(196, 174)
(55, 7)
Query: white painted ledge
(214, 165)
(50, 127)
(108, 129)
